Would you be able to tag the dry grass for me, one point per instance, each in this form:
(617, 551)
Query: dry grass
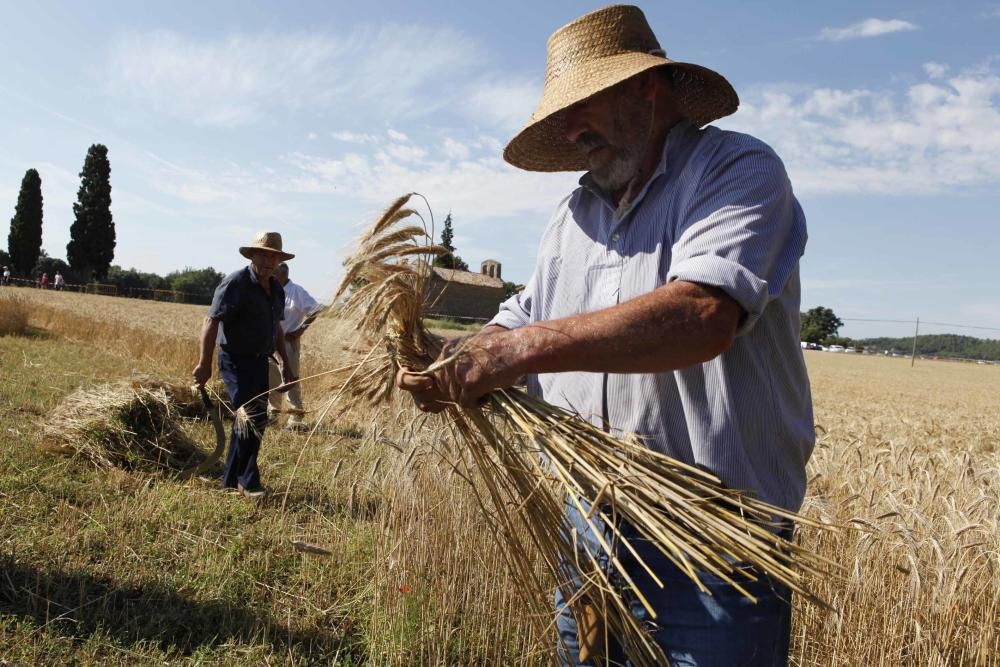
(119, 567)
(13, 314)
(911, 456)
(128, 424)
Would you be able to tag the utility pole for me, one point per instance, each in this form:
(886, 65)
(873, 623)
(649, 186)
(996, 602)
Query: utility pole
(913, 356)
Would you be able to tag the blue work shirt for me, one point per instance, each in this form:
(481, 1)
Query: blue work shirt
(249, 317)
(718, 211)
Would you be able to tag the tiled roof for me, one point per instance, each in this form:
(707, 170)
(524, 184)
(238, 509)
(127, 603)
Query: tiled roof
(467, 277)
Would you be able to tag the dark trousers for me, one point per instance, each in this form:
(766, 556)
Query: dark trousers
(694, 629)
(245, 376)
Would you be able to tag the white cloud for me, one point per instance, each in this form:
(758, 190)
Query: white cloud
(354, 137)
(502, 103)
(936, 135)
(455, 150)
(866, 28)
(237, 80)
(481, 187)
(397, 136)
(312, 136)
(935, 70)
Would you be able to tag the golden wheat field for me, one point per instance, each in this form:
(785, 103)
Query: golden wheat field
(129, 567)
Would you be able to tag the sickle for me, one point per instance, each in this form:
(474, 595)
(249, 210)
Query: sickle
(220, 439)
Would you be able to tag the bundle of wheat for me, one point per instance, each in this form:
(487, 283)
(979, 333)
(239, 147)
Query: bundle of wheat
(129, 424)
(530, 457)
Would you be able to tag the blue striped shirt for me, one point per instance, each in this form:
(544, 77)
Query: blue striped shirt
(718, 211)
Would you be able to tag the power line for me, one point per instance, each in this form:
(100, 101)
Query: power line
(940, 324)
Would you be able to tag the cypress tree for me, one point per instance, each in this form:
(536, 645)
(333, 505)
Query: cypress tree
(24, 243)
(92, 235)
(451, 260)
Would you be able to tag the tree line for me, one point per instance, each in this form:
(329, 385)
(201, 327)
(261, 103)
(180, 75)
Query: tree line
(820, 326)
(91, 248)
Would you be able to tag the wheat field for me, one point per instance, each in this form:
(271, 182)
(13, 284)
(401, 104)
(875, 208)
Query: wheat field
(116, 567)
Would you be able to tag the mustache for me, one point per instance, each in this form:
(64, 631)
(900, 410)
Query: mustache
(588, 141)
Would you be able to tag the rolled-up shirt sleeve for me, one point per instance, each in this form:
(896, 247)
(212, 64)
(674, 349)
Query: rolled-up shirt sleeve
(743, 231)
(225, 301)
(516, 311)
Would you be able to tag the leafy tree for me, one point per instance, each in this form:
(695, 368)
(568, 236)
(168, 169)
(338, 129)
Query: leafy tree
(819, 324)
(92, 235)
(510, 289)
(451, 260)
(197, 284)
(132, 282)
(50, 265)
(24, 243)
(4, 258)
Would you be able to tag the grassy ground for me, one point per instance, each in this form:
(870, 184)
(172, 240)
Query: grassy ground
(118, 567)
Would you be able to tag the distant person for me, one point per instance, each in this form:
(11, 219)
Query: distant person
(249, 304)
(43, 282)
(58, 282)
(300, 311)
(6, 276)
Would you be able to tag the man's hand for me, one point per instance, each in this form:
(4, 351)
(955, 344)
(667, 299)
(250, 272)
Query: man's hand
(482, 363)
(202, 373)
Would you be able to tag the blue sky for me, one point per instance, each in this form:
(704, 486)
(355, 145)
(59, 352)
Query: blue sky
(222, 118)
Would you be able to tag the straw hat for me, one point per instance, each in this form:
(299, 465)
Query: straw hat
(268, 241)
(591, 54)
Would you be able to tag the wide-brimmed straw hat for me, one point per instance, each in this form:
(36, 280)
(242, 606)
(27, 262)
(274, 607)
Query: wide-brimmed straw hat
(591, 54)
(267, 241)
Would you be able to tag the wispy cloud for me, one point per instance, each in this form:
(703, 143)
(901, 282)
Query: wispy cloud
(240, 78)
(935, 135)
(866, 28)
(477, 185)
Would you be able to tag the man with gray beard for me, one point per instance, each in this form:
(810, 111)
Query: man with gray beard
(664, 303)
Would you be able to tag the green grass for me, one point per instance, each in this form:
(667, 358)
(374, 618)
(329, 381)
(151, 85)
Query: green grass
(135, 567)
(435, 323)
(126, 568)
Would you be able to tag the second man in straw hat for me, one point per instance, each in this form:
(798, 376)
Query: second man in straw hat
(248, 305)
(665, 304)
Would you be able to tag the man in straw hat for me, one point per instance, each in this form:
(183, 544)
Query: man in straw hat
(249, 304)
(664, 303)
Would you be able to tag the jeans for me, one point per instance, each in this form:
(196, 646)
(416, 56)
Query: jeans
(245, 376)
(723, 629)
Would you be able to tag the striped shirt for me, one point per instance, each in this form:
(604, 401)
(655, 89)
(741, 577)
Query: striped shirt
(718, 211)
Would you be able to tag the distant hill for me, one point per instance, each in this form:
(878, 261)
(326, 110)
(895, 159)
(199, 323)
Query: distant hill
(942, 345)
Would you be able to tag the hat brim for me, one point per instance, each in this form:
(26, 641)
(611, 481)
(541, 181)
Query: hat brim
(702, 95)
(247, 251)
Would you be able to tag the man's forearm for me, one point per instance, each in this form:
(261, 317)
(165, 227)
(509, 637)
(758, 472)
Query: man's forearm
(209, 332)
(675, 326)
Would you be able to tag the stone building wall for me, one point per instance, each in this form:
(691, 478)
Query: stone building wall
(455, 296)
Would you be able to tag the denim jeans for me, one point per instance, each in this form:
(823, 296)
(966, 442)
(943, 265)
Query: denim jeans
(723, 629)
(245, 376)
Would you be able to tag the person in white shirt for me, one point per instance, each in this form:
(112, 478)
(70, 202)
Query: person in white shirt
(59, 282)
(300, 311)
(6, 275)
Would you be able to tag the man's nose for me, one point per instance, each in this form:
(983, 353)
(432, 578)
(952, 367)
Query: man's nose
(576, 122)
